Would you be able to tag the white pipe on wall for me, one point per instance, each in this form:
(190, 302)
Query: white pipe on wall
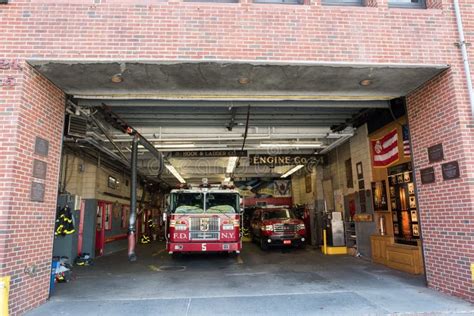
(462, 45)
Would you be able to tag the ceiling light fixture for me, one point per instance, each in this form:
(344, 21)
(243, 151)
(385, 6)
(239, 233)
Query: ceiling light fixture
(175, 173)
(175, 146)
(365, 82)
(292, 170)
(244, 80)
(117, 78)
(291, 145)
(226, 179)
(231, 164)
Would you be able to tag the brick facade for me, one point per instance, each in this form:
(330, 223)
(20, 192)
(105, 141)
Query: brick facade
(170, 30)
(33, 107)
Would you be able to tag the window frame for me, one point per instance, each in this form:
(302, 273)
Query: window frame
(355, 3)
(420, 5)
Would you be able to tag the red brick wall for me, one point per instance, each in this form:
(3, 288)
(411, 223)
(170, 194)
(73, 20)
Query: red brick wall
(439, 113)
(33, 107)
(157, 30)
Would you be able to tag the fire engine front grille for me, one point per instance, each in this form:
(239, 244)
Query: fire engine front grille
(204, 228)
(284, 228)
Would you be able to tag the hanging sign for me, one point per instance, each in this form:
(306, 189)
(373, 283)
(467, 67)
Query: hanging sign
(209, 153)
(287, 160)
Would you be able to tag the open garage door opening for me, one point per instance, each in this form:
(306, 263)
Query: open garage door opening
(302, 172)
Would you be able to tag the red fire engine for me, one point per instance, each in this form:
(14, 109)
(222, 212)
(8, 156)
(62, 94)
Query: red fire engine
(203, 219)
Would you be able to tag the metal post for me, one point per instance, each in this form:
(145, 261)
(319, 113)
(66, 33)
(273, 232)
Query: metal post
(133, 202)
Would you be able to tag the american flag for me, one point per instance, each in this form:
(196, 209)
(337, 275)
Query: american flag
(406, 141)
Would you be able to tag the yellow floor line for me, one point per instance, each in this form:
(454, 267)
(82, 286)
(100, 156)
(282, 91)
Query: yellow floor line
(157, 253)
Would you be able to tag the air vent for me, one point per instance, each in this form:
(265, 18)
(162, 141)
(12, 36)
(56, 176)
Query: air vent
(76, 126)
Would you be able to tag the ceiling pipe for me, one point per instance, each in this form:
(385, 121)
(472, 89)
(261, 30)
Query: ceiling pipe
(465, 58)
(92, 101)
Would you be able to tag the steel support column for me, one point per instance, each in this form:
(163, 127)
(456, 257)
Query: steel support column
(133, 202)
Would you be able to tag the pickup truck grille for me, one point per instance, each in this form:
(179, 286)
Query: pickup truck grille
(204, 228)
(284, 228)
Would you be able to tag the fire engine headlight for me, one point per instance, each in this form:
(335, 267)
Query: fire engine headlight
(180, 227)
(268, 228)
(301, 227)
(228, 226)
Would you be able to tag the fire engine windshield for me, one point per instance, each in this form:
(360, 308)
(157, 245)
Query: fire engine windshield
(211, 202)
(187, 203)
(222, 202)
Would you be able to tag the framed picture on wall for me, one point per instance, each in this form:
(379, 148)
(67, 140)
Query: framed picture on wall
(412, 202)
(411, 188)
(394, 217)
(415, 229)
(406, 176)
(396, 230)
(360, 172)
(307, 182)
(414, 216)
(379, 195)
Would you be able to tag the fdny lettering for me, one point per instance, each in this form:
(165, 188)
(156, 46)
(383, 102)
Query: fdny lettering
(179, 235)
(227, 235)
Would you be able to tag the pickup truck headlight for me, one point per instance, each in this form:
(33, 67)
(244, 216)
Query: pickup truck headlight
(301, 227)
(268, 228)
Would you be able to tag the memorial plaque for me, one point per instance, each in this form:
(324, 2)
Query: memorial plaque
(41, 147)
(450, 170)
(39, 169)
(209, 154)
(37, 191)
(435, 153)
(427, 175)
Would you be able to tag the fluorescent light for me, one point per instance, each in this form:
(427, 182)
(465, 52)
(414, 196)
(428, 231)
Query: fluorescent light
(227, 179)
(175, 146)
(175, 173)
(292, 145)
(231, 164)
(292, 170)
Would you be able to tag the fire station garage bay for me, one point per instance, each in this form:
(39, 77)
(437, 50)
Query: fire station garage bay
(204, 183)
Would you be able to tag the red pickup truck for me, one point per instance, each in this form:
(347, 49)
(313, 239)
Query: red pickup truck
(277, 227)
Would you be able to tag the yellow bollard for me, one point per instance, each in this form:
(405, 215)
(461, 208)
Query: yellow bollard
(472, 272)
(324, 242)
(4, 289)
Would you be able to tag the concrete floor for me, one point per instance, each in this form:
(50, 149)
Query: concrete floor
(274, 283)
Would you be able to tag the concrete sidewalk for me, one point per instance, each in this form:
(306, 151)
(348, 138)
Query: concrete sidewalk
(274, 282)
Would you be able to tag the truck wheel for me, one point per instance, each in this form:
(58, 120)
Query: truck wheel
(263, 244)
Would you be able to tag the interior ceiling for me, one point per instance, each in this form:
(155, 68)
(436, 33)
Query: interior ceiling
(189, 106)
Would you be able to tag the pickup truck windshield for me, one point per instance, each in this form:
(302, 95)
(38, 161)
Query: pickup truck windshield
(211, 202)
(278, 214)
